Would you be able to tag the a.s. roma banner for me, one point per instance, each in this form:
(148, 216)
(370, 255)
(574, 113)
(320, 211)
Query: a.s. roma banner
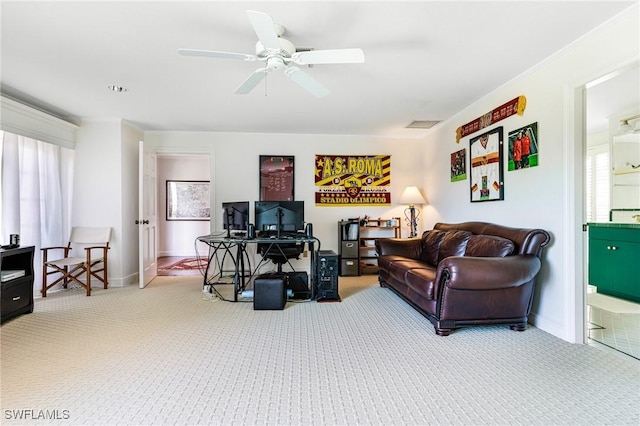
(353, 180)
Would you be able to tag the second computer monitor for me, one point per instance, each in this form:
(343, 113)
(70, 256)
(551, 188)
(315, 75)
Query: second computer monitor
(279, 216)
(235, 215)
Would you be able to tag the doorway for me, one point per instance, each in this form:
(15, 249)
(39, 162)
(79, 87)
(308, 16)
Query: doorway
(611, 101)
(178, 248)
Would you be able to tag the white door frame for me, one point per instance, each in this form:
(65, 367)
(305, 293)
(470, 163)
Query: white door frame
(576, 145)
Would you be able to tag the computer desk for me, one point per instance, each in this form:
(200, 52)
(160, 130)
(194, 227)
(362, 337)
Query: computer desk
(234, 248)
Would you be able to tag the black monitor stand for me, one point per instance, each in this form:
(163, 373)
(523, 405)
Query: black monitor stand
(229, 212)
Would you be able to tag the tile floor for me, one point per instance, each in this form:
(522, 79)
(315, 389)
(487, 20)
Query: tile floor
(615, 330)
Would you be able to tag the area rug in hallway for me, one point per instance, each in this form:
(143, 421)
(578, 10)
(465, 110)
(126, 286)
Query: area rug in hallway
(186, 266)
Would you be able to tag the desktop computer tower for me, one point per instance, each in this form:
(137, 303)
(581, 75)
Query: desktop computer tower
(327, 276)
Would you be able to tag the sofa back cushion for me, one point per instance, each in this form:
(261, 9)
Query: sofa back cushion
(431, 245)
(437, 245)
(454, 243)
(489, 246)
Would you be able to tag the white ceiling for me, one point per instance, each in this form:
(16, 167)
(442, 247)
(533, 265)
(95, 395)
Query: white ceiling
(425, 60)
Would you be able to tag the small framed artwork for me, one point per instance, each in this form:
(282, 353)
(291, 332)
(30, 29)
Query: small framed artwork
(487, 166)
(523, 147)
(459, 165)
(276, 178)
(188, 200)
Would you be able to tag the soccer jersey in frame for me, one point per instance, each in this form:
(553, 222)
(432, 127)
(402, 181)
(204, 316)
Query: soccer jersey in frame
(486, 166)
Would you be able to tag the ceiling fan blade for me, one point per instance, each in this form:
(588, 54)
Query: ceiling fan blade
(336, 56)
(216, 54)
(307, 82)
(251, 82)
(265, 29)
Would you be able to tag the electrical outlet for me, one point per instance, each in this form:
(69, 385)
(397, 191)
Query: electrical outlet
(305, 253)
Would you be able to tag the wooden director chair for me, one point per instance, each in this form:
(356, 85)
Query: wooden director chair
(95, 243)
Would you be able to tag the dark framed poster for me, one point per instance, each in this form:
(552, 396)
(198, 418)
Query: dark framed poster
(487, 183)
(276, 178)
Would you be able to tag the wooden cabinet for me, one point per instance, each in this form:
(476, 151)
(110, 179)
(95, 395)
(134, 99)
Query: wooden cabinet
(16, 267)
(357, 243)
(614, 250)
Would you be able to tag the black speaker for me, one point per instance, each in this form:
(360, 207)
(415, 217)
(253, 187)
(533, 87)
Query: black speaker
(327, 276)
(269, 292)
(308, 230)
(251, 231)
(298, 282)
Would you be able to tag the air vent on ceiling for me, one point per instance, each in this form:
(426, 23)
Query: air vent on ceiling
(422, 124)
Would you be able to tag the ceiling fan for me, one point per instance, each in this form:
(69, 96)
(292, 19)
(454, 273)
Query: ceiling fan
(279, 53)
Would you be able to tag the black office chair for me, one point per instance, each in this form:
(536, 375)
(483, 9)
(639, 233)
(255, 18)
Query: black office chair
(280, 253)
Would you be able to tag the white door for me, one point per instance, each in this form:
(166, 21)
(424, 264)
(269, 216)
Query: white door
(147, 215)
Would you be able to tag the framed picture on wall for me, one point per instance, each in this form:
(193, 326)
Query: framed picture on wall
(459, 165)
(276, 178)
(523, 147)
(486, 166)
(188, 200)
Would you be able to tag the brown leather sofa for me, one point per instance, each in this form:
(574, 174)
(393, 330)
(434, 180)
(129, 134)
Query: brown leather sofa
(471, 273)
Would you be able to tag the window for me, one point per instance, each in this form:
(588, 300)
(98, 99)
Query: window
(598, 171)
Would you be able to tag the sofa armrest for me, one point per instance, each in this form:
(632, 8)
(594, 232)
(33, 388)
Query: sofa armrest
(411, 248)
(488, 273)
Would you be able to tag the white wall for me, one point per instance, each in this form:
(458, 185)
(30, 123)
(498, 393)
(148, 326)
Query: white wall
(105, 190)
(235, 175)
(542, 196)
(176, 238)
(97, 199)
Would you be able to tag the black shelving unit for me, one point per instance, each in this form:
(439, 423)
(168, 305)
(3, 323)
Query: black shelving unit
(17, 281)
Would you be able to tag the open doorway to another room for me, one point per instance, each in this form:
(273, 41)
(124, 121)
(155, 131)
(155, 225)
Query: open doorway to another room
(612, 210)
(184, 206)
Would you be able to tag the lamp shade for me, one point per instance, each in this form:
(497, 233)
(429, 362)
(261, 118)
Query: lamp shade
(411, 196)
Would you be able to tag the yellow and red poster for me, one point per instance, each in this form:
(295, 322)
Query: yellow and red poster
(353, 180)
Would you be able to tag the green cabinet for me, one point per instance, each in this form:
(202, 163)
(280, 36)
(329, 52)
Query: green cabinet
(614, 260)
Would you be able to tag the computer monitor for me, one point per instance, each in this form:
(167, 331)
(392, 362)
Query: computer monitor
(279, 216)
(235, 215)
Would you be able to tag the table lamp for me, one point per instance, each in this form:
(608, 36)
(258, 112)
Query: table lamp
(412, 196)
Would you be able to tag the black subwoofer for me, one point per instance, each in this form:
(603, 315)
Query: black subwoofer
(270, 292)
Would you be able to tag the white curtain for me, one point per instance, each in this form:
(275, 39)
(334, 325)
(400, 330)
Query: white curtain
(37, 179)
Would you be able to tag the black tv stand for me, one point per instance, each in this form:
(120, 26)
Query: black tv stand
(16, 265)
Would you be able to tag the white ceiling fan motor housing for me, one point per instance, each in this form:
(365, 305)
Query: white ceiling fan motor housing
(286, 49)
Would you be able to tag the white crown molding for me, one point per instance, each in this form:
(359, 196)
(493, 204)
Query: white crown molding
(27, 121)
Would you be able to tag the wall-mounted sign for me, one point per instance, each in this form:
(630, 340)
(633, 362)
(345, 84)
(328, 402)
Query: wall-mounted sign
(353, 180)
(514, 106)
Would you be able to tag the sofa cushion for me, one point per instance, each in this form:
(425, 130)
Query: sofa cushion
(454, 243)
(431, 246)
(422, 281)
(398, 268)
(489, 246)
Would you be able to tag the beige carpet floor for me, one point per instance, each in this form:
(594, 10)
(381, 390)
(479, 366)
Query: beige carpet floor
(165, 355)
